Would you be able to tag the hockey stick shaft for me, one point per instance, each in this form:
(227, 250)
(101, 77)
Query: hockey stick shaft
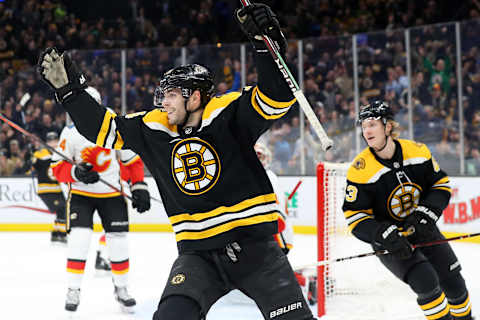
(64, 157)
(290, 196)
(325, 141)
(383, 252)
(433, 243)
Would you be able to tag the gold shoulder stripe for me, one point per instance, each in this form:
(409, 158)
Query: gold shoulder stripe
(219, 102)
(156, 115)
(412, 149)
(158, 120)
(364, 167)
(42, 154)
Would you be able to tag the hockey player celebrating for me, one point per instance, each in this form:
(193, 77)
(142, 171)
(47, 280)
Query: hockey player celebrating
(199, 149)
(48, 188)
(396, 185)
(88, 194)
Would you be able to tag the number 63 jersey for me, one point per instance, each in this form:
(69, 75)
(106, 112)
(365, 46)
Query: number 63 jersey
(390, 190)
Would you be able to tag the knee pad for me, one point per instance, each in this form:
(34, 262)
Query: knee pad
(178, 307)
(423, 280)
(454, 287)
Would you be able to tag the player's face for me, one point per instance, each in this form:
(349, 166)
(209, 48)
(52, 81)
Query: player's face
(174, 104)
(374, 133)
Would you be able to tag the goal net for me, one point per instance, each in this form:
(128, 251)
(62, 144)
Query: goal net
(360, 288)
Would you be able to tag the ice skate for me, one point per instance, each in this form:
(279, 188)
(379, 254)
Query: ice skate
(102, 266)
(73, 300)
(127, 303)
(58, 237)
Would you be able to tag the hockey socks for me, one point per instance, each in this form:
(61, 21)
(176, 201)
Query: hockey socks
(78, 244)
(117, 246)
(435, 307)
(461, 308)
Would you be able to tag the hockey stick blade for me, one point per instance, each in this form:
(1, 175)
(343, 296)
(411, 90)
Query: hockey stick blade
(53, 150)
(383, 252)
(325, 141)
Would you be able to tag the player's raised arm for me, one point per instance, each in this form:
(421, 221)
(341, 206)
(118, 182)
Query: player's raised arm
(92, 120)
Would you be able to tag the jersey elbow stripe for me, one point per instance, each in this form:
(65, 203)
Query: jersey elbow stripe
(268, 108)
(354, 224)
(106, 129)
(198, 235)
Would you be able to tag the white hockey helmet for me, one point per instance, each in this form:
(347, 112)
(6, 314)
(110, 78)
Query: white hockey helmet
(263, 154)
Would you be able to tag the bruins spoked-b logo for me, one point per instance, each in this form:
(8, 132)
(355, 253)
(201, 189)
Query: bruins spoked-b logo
(178, 278)
(403, 200)
(195, 166)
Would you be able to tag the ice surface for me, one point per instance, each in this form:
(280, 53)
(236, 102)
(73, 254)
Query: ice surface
(33, 278)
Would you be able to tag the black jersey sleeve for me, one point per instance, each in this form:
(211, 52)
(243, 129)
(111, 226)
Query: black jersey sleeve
(358, 211)
(103, 127)
(268, 101)
(438, 191)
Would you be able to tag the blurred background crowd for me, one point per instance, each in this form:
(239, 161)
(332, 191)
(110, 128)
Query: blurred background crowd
(337, 48)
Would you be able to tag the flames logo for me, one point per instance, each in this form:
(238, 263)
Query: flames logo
(98, 157)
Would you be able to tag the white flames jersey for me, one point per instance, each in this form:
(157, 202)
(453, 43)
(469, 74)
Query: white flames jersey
(104, 161)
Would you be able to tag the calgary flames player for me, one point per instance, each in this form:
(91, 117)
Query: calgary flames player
(88, 194)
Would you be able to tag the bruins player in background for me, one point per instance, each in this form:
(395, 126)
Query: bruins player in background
(86, 195)
(395, 194)
(48, 188)
(216, 193)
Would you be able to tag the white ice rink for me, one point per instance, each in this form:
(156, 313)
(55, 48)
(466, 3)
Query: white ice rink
(33, 278)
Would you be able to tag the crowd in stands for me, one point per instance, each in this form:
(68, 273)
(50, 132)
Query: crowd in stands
(155, 31)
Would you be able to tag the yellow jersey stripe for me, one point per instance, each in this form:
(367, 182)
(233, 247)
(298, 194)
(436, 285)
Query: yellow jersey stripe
(119, 143)
(96, 195)
(197, 235)
(217, 211)
(104, 129)
(273, 103)
(263, 114)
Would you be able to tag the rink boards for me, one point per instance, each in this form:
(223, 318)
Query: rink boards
(22, 210)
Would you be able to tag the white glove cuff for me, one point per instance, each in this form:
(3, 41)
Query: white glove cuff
(139, 186)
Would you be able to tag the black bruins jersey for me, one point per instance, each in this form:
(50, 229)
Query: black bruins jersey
(390, 190)
(46, 181)
(214, 188)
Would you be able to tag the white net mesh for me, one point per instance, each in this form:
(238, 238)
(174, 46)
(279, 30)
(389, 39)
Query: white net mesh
(360, 288)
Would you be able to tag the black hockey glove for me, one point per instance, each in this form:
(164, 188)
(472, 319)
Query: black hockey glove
(258, 19)
(61, 74)
(423, 223)
(83, 173)
(140, 196)
(388, 237)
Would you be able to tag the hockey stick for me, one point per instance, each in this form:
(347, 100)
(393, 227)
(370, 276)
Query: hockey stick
(294, 190)
(53, 150)
(290, 196)
(325, 141)
(384, 252)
